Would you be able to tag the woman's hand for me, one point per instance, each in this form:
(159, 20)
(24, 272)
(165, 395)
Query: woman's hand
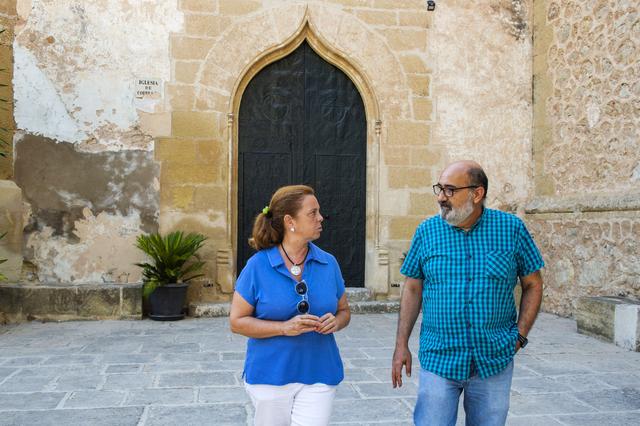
(328, 324)
(300, 324)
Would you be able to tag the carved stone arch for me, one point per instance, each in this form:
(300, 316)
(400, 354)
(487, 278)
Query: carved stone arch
(322, 48)
(328, 30)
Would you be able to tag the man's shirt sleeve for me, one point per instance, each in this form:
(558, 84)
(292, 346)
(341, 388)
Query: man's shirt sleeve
(528, 257)
(412, 265)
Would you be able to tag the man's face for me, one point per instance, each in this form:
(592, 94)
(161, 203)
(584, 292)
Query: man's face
(457, 208)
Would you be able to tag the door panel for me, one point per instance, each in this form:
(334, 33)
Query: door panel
(307, 116)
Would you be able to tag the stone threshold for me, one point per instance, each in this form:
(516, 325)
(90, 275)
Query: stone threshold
(213, 310)
(360, 301)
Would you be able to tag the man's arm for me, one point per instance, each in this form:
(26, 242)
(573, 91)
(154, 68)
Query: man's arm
(410, 304)
(529, 303)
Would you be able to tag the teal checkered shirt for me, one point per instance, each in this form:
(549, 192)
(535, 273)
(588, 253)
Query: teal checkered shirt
(468, 308)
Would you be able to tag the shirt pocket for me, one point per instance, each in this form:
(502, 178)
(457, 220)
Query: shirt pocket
(500, 266)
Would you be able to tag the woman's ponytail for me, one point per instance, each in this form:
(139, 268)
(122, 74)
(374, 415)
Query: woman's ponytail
(268, 226)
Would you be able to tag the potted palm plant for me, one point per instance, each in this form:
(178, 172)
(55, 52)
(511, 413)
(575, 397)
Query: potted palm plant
(174, 262)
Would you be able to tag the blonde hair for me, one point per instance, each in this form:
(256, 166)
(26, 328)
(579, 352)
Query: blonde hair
(268, 228)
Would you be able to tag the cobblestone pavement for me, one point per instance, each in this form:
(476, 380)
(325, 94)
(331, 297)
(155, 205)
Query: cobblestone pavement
(189, 373)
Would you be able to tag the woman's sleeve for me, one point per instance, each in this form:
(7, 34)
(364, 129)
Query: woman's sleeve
(246, 284)
(339, 280)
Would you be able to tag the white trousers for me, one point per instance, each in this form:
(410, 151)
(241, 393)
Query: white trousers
(293, 404)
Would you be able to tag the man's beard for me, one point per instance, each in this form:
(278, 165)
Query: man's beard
(455, 216)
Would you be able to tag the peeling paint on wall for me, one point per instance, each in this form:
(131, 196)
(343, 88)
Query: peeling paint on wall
(88, 55)
(38, 106)
(86, 209)
(513, 14)
(104, 251)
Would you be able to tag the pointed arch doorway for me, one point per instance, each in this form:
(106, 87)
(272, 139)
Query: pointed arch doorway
(302, 120)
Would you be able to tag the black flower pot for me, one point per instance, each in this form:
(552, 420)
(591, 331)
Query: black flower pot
(166, 302)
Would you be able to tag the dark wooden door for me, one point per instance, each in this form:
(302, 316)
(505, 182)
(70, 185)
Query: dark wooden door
(302, 120)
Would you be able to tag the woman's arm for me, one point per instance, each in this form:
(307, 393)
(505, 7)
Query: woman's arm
(330, 323)
(243, 322)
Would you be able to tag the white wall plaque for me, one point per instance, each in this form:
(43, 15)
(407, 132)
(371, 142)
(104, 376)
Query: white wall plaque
(148, 94)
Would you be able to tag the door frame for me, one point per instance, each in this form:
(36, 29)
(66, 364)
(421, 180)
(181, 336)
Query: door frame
(373, 125)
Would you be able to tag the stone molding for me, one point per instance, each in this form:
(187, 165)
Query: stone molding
(584, 204)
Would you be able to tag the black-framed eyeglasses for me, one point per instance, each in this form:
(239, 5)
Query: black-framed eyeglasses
(302, 289)
(450, 190)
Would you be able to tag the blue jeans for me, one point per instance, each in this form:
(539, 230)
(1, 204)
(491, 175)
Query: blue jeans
(486, 402)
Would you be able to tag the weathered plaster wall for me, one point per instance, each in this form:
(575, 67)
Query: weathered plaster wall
(481, 55)
(478, 60)
(85, 209)
(77, 64)
(586, 130)
(84, 147)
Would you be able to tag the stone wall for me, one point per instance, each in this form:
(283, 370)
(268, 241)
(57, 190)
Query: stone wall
(591, 254)
(437, 86)
(84, 146)
(11, 224)
(8, 16)
(586, 130)
(479, 59)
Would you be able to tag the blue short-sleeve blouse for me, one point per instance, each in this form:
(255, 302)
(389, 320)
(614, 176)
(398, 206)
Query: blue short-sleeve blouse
(266, 284)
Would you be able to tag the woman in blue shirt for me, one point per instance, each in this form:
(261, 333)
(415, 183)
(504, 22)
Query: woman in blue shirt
(289, 300)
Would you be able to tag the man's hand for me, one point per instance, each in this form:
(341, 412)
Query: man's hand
(410, 303)
(401, 356)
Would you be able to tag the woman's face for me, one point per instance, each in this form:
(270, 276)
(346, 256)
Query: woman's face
(308, 220)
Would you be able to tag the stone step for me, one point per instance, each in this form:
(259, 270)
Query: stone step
(209, 310)
(375, 307)
(66, 302)
(613, 319)
(212, 310)
(355, 294)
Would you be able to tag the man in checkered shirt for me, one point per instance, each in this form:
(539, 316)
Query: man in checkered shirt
(462, 268)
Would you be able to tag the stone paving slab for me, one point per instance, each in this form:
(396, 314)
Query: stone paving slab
(189, 372)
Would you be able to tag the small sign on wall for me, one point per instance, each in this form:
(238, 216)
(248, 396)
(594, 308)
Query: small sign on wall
(148, 87)
(148, 94)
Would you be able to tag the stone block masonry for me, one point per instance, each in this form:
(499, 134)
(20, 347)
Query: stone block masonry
(70, 302)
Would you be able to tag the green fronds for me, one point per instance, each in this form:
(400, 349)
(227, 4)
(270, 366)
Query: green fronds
(174, 257)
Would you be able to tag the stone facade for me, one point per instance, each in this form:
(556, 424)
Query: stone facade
(8, 17)
(584, 209)
(437, 86)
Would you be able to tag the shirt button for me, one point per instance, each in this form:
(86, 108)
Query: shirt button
(470, 279)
